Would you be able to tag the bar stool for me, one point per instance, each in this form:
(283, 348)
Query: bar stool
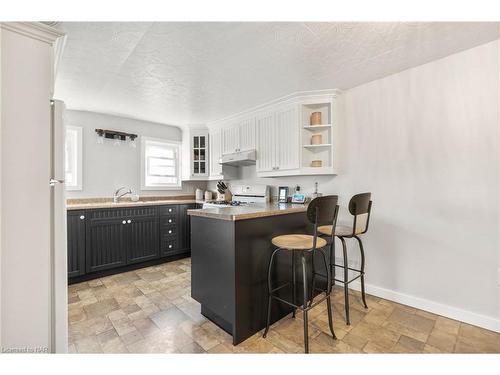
(321, 211)
(360, 207)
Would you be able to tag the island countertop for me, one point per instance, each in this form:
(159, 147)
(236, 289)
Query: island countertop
(249, 212)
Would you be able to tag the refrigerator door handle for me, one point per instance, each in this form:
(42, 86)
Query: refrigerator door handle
(54, 181)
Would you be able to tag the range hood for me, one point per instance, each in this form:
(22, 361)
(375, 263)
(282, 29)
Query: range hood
(239, 158)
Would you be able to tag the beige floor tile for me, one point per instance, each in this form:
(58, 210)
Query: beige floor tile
(442, 340)
(151, 311)
(447, 325)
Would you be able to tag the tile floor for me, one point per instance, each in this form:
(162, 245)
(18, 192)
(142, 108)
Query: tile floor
(150, 311)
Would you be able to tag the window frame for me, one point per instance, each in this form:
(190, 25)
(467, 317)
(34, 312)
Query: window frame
(79, 158)
(177, 149)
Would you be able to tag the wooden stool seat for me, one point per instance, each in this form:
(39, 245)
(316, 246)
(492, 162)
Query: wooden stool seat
(297, 242)
(340, 230)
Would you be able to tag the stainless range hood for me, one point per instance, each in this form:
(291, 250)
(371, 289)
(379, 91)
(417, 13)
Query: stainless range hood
(239, 158)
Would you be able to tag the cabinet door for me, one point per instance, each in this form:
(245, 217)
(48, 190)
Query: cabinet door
(215, 153)
(266, 143)
(185, 228)
(199, 149)
(143, 241)
(105, 240)
(230, 139)
(247, 135)
(287, 145)
(76, 243)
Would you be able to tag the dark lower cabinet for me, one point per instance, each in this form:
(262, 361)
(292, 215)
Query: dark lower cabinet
(104, 239)
(76, 243)
(142, 237)
(185, 228)
(175, 230)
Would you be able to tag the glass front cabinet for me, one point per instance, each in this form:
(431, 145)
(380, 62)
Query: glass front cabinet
(200, 143)
(199, 154)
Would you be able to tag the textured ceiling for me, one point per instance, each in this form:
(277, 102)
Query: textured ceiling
(185, 73)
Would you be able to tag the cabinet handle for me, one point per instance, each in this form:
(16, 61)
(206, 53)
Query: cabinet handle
(124, 222)
(129, 221)
(82, 217)
(277, 167)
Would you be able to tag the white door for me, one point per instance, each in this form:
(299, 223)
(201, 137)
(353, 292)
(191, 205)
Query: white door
(287, 130)
(266, 143)
(215, 152)
(247, 134)
(230, 139)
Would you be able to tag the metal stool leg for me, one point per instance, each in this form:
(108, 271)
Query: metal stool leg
(269, 288)
(313, 285)
(304, 280)
(363, 296)
(346, 279)
(294, 284)
(332, 260)
(328, 292)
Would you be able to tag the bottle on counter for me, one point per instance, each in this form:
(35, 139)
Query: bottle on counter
(208, 195)
(199, 194)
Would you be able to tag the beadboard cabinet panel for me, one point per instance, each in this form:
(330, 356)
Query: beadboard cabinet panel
(76, 243)
(266, 142)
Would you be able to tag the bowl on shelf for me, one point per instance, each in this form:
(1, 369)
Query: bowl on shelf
(316, 163)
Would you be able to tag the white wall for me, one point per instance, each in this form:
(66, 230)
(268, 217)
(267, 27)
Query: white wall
(107, 167)
(425, 143)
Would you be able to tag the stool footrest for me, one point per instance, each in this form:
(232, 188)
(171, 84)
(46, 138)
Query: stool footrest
(348, 281)
(300, 307)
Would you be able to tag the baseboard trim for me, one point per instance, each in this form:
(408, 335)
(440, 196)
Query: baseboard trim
(465, 316)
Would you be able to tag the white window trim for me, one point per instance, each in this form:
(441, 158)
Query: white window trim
(79, 161)
(177, 144)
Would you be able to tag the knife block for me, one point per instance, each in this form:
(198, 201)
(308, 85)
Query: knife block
(227, 196)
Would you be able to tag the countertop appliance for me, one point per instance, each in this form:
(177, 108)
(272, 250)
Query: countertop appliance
(244, 195)
(239, 158)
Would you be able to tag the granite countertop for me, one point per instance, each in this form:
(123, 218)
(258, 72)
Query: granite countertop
(249, 212)
(91, 203)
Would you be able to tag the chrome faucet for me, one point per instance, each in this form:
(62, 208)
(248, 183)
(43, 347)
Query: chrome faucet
(117, 196)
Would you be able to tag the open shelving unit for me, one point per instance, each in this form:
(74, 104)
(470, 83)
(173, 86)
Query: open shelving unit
(324, 151)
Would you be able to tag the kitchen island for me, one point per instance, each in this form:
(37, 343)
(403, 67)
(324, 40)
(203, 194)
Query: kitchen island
(230, 252)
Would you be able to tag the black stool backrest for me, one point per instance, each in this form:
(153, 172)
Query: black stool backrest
(323, 211)
(360, 207)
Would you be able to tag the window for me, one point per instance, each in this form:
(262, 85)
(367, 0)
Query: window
(73, 158)
(159, 164)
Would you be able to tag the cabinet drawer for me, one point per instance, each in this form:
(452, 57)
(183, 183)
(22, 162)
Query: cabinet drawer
(168, 231)
(168, 210)
(169, 246)
(166, 221)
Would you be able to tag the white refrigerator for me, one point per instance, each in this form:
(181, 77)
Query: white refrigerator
(58, 254)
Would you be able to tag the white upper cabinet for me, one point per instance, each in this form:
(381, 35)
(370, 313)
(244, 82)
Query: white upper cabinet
(266, 142)
(195, 154)
(240, 136)
(230, 139)
(287, 145)
(246, 134)
(215, 142)
(297, 135)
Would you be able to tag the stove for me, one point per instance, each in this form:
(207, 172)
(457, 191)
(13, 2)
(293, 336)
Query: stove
(244, 195)
(224, 204)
